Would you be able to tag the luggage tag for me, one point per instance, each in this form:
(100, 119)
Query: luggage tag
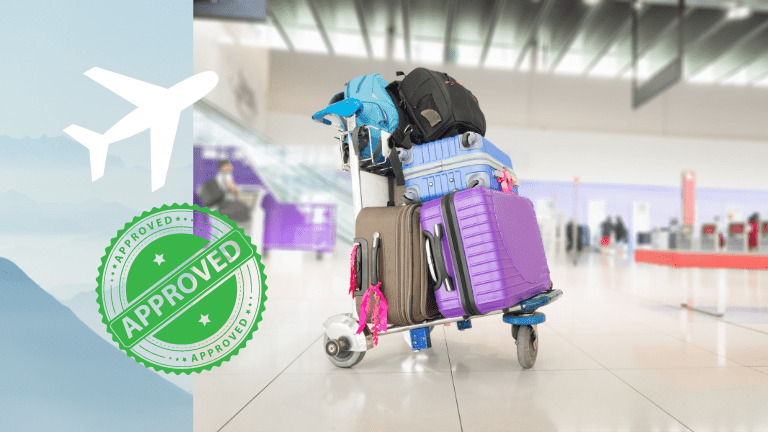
(508, 180)
(379, 310)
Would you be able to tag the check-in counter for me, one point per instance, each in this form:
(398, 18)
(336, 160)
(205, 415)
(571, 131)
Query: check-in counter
(764, 238)
(737, 238)
(709, 238)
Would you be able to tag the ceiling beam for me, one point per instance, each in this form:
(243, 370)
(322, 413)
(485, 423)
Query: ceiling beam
(741, 40)
(363, 27)
(659, 36)
(406, 29)
(390, 41)
(540, 16)
(626, 26)
(709, 32)
(743, 65)
(498, 8)
(320, 26)
(280, 29)
(584, 22)
(449, 56)
(759, 78)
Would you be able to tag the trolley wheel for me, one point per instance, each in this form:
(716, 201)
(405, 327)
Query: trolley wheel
(319, 256)
(527, 342)
(515, 331)
(336, 352)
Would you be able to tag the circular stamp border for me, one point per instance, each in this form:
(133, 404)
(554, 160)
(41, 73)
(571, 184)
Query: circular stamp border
(257, 317)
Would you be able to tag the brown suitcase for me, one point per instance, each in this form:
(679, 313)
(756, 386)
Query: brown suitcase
(400, 263)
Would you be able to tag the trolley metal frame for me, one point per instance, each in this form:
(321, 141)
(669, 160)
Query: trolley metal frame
(344, 348)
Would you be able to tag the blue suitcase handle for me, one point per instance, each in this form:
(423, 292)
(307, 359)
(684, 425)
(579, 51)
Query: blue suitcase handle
(342, 108)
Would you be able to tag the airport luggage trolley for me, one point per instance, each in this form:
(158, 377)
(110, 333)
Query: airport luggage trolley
(370, 188)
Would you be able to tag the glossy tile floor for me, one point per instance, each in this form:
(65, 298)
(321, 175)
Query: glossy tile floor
(617, 353)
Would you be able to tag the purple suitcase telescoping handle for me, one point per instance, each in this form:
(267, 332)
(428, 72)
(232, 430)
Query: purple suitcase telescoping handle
(436, 260)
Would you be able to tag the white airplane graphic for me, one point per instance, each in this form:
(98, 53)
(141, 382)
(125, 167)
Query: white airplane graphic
(158, 110)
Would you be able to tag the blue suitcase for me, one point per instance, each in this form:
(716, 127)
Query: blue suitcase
(434, 169)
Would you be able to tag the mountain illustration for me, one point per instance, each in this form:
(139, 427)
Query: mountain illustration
(68, 291)
(59, 375)
(49, 152)
(58, 169)
(19, 213)
(85, 307)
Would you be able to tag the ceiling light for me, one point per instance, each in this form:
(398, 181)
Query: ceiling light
(348, 44)
(707, 76)
(571, 64)
(738, 11)
(426, 52)
(739, 79)
(500, 58)
(608, 66)
(468, 55)
(591, 2)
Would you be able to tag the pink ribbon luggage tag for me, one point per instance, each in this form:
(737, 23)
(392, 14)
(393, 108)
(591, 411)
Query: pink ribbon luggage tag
(379, 317)
(508, 181)
(353, 272)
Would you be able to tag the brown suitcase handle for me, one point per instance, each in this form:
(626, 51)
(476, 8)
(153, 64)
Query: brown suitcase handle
(361, 264)
(375, 259)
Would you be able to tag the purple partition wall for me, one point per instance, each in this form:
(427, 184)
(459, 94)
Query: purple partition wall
(291, 226)
(302, 226)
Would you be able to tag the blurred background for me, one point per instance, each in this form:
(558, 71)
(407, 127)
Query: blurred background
(638, 131)
(555, 81)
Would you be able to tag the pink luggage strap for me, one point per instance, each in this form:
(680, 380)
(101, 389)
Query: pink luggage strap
(507, 182)
(379, 317)
(353, 272)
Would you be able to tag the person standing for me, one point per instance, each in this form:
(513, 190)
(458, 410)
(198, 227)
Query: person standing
(606, 229)
(720, 238)
(621, 231)
(754, 228)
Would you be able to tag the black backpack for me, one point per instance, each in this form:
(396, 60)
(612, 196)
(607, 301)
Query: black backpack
(435, 106)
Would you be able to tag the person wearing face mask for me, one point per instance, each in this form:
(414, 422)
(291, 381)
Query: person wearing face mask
(226, 181)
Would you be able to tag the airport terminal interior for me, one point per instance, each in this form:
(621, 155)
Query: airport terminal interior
(637, 130)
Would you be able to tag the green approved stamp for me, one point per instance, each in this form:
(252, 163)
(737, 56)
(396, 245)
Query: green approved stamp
(181, 289)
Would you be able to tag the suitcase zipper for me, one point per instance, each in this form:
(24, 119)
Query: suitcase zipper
(453, 234)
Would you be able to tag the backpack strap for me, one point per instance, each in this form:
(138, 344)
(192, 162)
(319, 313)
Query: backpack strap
(397, 166)
(356, 141)
(391, 186)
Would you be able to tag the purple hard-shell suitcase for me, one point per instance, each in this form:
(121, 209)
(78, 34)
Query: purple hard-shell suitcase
(492, 256)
